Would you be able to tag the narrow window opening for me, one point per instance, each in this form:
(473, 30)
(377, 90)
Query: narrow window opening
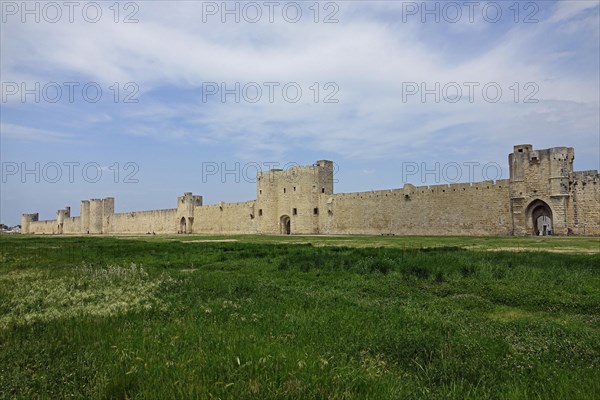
(260, 212)
(283, 190)
(315, 211)
(322, 190)
(294, 211)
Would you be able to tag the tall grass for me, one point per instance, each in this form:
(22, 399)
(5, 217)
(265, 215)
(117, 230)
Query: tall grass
(124, 318)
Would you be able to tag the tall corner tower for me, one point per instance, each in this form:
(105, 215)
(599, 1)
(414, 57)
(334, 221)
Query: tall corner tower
(539, 189)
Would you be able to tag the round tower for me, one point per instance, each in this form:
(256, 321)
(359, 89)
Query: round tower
(26, 220)
(84, 213)
(60, 218)
(108, 209)
(95, 220)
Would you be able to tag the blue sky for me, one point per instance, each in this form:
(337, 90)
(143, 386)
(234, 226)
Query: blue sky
(367, 57)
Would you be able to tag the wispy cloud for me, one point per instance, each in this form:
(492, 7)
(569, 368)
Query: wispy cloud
(569, 9)
(370, 55)
(28, 134)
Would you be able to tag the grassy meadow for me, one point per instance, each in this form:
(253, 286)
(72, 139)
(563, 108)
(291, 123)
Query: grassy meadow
(299, 317)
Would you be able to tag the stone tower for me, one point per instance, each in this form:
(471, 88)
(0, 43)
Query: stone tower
(288, 200)
(185, 211)
(539, 189)
(84, 213)
(60, 219)
(26, 219)
(98, 217)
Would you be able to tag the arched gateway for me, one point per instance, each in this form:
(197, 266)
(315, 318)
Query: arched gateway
(285, 225)
(541, 218)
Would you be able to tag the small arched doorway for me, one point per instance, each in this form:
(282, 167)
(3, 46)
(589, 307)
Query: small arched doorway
(285, 225)
(541, 218)
(182, 225)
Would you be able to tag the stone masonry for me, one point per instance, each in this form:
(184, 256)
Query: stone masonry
(543, 196)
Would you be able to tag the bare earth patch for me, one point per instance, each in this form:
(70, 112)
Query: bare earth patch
(552, 250)
(209, 241)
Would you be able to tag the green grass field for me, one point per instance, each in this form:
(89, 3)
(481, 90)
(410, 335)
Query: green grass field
(301, 317)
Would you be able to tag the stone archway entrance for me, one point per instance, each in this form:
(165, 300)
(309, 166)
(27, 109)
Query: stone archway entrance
(182, 225)
(541, 218)
(285, 225)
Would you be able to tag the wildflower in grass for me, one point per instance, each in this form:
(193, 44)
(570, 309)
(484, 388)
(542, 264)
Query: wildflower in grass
(84, 290)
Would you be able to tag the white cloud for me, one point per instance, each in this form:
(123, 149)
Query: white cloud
(25, 133)
(367, 57)
(568, 9)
